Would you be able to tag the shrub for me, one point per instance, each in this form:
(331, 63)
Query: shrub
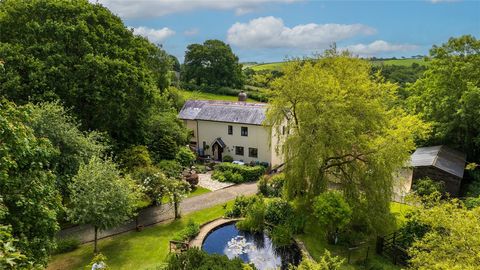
(185, 156)
(326, 262)
(135, 156)
(426, 187)
(472, 202)
(188, 232)
(219, 176)
(194, 258)
(100, 262)
(227, 158)
(332, 212)
(271, 186)
(66, 245)
(236, 178)
(281, 235)
(240, 206)
(170, 168)
(278, 211)
(255, 217)
(249, 174)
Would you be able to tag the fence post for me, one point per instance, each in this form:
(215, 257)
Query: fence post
(379, 246)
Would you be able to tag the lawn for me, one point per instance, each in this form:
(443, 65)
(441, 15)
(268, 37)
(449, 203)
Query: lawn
(197, 191)
(315, 243)
(134, 250)
(208, 96)
(268, 66)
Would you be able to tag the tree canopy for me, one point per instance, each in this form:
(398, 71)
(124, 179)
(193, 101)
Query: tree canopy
(83, 55)
(344, 130)
(27, 184)
(448, 95)
(212, 63)
(100, 196)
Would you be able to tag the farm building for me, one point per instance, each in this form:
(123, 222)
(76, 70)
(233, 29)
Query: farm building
(439, 163)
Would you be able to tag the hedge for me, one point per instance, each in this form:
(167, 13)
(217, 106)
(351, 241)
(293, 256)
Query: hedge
(249, 173)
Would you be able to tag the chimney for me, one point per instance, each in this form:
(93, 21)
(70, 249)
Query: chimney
(242, 96)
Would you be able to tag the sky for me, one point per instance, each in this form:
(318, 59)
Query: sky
(273, 30)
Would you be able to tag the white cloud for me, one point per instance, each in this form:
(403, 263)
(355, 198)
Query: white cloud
(379, 46)
(156, 8)
(270, 32)
(154, 35)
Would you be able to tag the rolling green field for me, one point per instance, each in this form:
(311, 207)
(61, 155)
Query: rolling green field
(208, 96)
(398, 62)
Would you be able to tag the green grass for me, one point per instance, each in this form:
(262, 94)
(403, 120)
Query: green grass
(197, 191)
(316, 244)
(134, 250)
(208, 96)
(398, 62)
(401, 62)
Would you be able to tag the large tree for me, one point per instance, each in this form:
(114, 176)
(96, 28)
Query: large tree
(101, 196)
(82, 54)
(27, 184)
(212, 63)
(344, 130)
(448, 95)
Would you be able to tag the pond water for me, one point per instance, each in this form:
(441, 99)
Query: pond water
(251, 248)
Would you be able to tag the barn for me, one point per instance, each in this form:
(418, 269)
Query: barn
(439, 163)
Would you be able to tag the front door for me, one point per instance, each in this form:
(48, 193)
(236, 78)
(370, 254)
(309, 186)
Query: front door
(217, 151)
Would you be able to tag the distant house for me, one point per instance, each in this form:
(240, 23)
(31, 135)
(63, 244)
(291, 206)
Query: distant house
(222, 128)
(439, 163)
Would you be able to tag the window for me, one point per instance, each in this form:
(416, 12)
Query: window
(283, 130)
(253, 152)
(244, 131)
(239, 150)
(230, 130)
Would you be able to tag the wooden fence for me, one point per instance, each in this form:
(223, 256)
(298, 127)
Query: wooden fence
(390, 246)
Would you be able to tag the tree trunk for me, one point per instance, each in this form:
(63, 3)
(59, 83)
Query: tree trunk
(175, 205)
(95, 249)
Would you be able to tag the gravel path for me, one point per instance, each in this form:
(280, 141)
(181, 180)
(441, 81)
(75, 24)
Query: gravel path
(153, 215)
(205, 180)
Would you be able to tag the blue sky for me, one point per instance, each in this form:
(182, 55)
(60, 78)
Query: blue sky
(271, 30)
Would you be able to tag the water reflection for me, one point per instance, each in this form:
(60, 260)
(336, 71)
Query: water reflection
(251, 248)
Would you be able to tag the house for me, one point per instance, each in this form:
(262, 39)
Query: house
(222, 128)
(439, 163)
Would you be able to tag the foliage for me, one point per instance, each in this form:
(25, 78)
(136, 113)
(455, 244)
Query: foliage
(10, 257)
(166, 133)
(194, 258)
(474, 186)
(255, 217)
(101, 196)
(177, 190)
(152, 181)
(412, 230)
(212, 63)
(271, 186)
(82, 54)
(228, 176)
(227, 158)
(189, 232)
(400, 74)
(27, 184)
(240, 206)
(171, 168)
(428, 187)
(135, 157)
(327, 262)
(472, 202)
(281, 235)
(66, 245)
(278, 211)
(453, 240)
(357, 138)
(185, 156)
(100, 262)
(448, 95)
(50, 120)
(332, 212)
(249, 173)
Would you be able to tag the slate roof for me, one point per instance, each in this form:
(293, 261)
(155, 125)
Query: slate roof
(224, 111)
(441, 157)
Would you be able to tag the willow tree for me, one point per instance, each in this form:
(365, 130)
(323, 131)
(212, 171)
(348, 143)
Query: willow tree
(343, 130)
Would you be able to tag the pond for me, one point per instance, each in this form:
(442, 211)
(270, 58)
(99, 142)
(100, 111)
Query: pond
(251, 248)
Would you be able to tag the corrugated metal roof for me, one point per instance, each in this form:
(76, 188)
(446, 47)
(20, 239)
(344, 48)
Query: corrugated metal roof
(224, 111)
(441, 157)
